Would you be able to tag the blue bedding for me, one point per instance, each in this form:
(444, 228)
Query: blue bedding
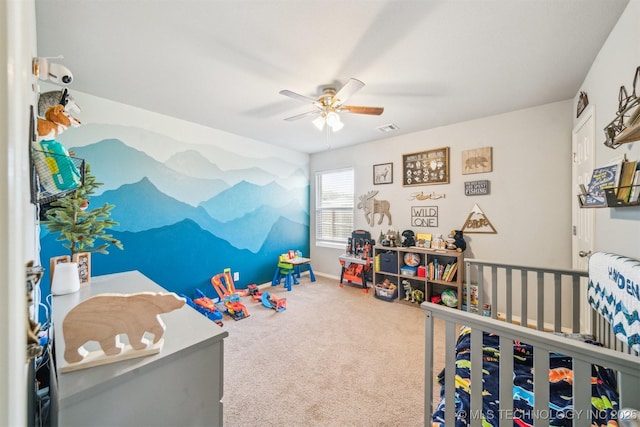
(604, 399)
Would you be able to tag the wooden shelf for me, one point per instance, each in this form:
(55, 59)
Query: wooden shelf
(395, 261)
(610, 200)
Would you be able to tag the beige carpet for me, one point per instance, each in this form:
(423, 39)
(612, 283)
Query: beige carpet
(335, 357)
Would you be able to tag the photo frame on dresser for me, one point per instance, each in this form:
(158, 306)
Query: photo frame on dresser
(426, 167)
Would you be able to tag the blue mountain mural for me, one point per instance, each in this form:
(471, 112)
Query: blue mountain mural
(142, 206)
(185, 264)
(116, 164)
(192, 163)
(245, 197)
(183, 221)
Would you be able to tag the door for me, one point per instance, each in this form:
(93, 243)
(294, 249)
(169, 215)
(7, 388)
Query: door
(582, 220)
(583, 137)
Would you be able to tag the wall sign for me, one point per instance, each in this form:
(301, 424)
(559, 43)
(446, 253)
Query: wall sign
(426, 167)
(477, 222)
(476, 188)
(478, 160)
(424, 216)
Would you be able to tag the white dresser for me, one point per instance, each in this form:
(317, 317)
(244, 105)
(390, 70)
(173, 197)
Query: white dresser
(180, 386)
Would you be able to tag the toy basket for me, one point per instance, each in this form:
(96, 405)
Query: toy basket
(386, 294)
(54, 174)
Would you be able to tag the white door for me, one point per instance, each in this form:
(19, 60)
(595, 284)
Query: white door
(583, 137)
(583, 225)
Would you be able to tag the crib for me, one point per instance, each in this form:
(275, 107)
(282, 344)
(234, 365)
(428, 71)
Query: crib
(546, 310)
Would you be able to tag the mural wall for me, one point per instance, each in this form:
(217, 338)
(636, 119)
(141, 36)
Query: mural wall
(191, 201)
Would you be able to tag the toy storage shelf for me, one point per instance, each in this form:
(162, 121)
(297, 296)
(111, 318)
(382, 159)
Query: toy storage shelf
(389, 263)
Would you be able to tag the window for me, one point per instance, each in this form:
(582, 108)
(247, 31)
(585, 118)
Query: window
(334, 206)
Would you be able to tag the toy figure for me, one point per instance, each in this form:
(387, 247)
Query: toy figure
(456, 241)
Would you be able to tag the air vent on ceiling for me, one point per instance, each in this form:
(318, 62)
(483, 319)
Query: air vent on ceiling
(387, 128)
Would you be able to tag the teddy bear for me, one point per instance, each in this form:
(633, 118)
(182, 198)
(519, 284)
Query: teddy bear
(456, 241)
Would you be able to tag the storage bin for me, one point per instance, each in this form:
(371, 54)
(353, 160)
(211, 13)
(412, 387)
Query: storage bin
(422, 271)
(408, 270)
(386, 294)
(389, 262)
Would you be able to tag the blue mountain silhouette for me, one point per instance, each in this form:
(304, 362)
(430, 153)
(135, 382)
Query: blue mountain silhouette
(245, 197)
(185, 264)
(141, 206)
(192, 163)
(115, 164)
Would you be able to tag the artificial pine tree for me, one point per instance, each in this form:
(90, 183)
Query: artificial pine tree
(78, 226)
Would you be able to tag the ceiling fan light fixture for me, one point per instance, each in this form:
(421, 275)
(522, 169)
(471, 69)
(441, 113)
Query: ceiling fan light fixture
(337, 126)
(318, 122)
(332, 118)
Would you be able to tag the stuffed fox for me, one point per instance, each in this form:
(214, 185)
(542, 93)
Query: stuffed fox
(56, 121)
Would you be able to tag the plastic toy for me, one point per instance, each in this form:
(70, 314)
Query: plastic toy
(408, 289)
(412, 259)
(205, 306)
(278, 304)
(285, 270)
(417, 296)
(449, 298)
(254, 292)
(226, 290)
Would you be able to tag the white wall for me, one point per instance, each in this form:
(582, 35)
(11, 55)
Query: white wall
(17, 235)
(616, 230)
(530, 198)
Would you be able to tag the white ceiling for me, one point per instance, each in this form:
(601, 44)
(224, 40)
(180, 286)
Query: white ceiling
(221, 63)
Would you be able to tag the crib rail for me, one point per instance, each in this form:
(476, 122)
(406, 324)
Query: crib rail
(526, 304)
(529, 289)
(544, 343)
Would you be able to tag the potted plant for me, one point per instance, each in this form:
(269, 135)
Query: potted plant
(82, 230)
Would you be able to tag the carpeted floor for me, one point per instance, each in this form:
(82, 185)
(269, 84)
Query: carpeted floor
(335, 357)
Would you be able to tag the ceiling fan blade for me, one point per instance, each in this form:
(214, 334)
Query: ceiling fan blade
(376, 111)
(300, 116)
(299, 97)
(351, 87)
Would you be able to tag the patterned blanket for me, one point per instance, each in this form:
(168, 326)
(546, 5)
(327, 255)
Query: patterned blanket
(604, 399)
(614, 291)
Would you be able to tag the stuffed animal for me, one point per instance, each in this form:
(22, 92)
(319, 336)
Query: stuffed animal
(456, 241)
(54, 97)
(56, 120)
(408, 238)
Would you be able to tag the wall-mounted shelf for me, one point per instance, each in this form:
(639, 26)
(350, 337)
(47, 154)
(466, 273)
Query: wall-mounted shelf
(614, 202)
(54, 175)
(609, 199)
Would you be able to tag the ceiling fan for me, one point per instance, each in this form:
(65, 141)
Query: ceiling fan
(330, 103)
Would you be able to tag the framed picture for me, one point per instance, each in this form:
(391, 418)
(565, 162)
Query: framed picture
(478, 160)
(383, 173)
(426, 167)
(83, 259)
(53, 262)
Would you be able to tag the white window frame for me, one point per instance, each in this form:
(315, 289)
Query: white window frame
(344, 204)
